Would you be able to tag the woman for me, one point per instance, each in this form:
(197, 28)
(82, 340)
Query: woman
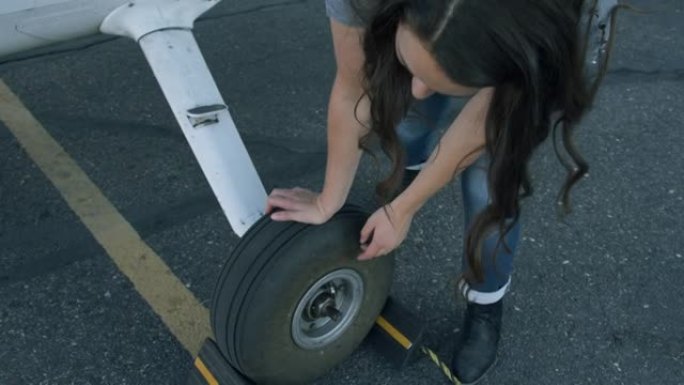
(520, 63)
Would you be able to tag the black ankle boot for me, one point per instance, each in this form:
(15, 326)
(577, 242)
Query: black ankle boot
(476, 350)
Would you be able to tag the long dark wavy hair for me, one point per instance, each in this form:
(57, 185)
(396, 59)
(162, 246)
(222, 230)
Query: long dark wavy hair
(532, 52)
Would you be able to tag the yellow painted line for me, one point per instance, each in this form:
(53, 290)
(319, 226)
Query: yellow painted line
(208, 377)
(185, 317)
(394, 333)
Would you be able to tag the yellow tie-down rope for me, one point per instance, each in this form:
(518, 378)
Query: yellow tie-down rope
(407, 344)
(445, 368)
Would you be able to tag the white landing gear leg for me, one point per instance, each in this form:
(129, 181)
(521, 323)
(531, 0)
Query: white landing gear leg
(163, 29)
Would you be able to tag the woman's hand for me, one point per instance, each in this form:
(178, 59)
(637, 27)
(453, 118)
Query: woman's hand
(383, 232)
(299, 205)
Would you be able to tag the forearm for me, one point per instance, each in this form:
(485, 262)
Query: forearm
(459, 147)
(344, 132)
(345, 113)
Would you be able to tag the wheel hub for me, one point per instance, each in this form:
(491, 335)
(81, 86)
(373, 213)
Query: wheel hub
(326, 310)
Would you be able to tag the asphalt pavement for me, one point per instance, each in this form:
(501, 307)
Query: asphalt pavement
(596, 297)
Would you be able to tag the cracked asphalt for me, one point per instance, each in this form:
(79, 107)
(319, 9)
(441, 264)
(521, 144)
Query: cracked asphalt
(596, 297)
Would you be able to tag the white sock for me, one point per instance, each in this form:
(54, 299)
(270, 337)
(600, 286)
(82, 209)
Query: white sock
(482, 298)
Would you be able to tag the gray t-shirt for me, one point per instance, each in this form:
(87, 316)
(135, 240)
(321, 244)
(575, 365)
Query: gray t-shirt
(343, 12)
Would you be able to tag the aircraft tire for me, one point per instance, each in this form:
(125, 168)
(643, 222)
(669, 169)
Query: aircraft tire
(292, 301)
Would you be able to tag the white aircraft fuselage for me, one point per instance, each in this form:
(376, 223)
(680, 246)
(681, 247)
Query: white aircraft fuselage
(26, 24)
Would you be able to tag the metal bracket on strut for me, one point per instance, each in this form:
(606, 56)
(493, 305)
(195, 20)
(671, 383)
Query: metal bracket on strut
(205, 115)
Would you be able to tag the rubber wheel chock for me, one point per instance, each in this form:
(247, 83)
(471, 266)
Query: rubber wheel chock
(211, 368)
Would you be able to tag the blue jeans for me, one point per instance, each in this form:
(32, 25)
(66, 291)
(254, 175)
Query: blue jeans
(419, 132)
